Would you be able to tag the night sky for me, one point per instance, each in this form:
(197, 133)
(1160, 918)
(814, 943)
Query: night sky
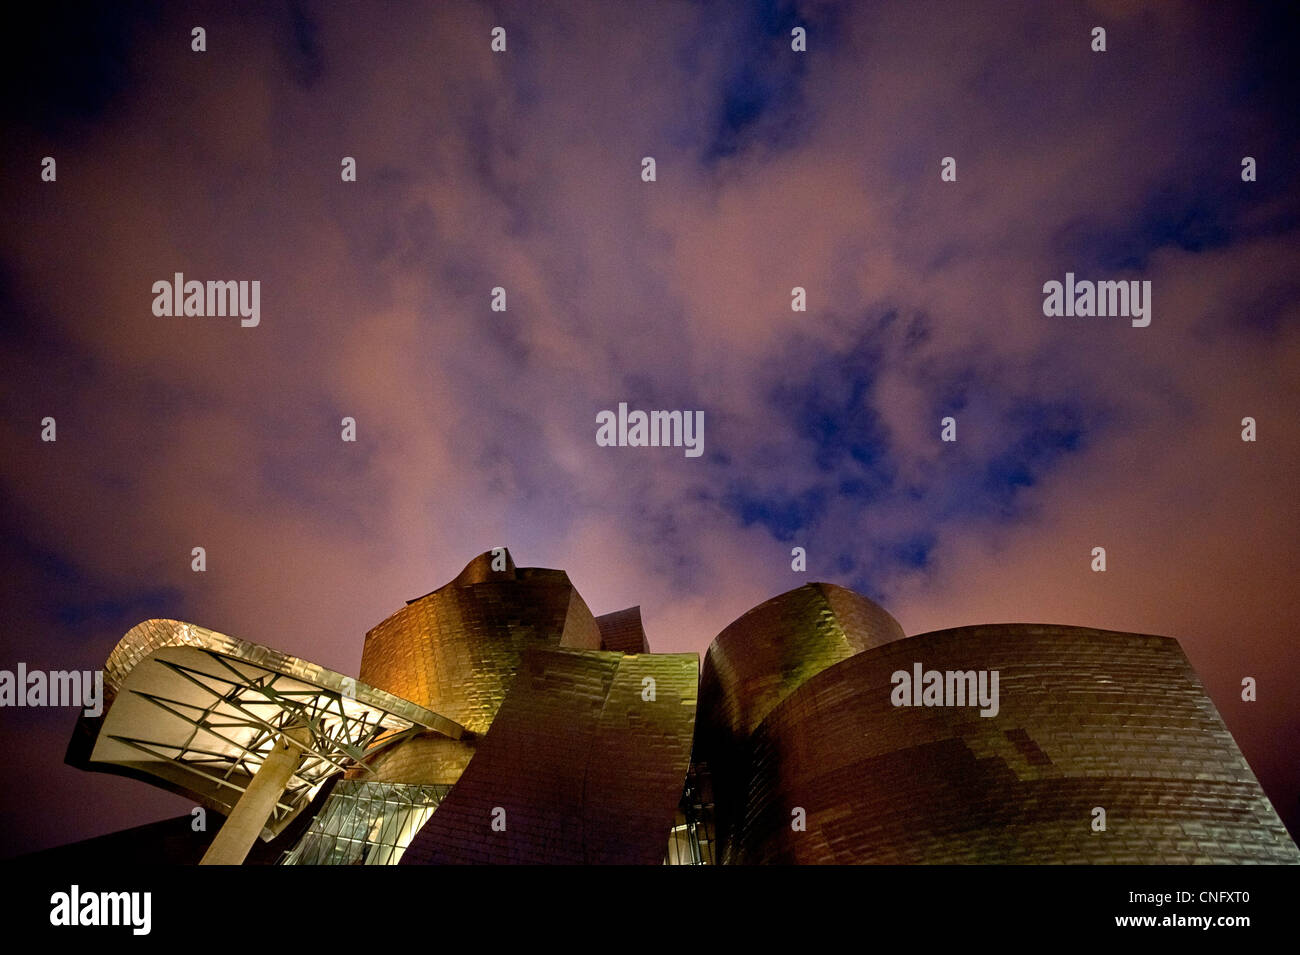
(476, 428)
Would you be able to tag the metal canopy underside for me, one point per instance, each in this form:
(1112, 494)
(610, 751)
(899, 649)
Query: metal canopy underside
(197, 711)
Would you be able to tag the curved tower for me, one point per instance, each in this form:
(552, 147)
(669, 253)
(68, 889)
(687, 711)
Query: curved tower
(761, 659)
(833, 739)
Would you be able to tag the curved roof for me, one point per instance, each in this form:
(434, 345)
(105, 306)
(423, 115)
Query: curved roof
(767, 653)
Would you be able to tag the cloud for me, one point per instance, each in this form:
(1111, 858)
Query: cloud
(775, 169)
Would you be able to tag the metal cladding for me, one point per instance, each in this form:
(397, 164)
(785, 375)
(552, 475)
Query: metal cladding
(500, 722)
(768, 653)
(429, 759)
(456, 650)
(623, 631)
(763, 657)
(584, 768)
(584, 763)
(1087, 720)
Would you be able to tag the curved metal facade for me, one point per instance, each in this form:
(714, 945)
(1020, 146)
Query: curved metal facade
(578, 767)
(768, 653)
(763, 657)
(584, 767)
(1087, 718)
(623, 631)
(587, 747)
(455, 651)
(499, 698)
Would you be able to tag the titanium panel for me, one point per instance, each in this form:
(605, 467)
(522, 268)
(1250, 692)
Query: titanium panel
(623, 631)
(769, 652)
(583, 767)
(1087, 718)
(763, 657)
(457, 649)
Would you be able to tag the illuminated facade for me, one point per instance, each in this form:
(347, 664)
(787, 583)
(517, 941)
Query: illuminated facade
(497, 720)
(813, 761)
